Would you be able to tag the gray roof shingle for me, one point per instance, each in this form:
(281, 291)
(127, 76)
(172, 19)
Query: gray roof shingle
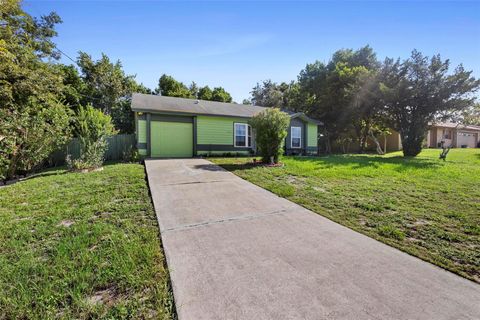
(153, 103)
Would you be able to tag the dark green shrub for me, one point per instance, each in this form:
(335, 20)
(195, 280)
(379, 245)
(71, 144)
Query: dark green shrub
(270, 128)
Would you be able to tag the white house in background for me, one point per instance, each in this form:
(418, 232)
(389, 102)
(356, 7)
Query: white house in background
(453, 135)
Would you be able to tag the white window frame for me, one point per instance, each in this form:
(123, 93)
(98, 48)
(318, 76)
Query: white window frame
(291, 138)
(247, 128)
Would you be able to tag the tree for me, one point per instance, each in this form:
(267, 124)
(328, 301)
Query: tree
(92, 127)
(471, 116)
(109, 89)
(247, 102)
(73, 86)
(270, 128)
(205, 93)
(193, 89)
(267, 94)
(168, 86)
(328, 90)
(33, 121)
(219, 94)
(417, 89)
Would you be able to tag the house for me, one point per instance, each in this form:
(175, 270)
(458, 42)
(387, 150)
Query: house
(453, 135)
(179, 127)
(449, 134)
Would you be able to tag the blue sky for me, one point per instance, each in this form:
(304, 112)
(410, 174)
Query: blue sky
(236, 44)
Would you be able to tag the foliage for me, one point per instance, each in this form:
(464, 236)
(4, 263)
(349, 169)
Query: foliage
(219, 94)
(331, 92)
(270, 127)
(109, 89)
(79, 246)
(205, 93)
(168, 86)
(270, 94)
(417, 89)
(33, 121)
(193, 88)
(409, 203)
(91, 127)
(471, 116)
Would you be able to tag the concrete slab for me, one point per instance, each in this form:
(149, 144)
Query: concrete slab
(277, 260)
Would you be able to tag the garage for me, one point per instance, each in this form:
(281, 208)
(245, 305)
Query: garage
(172, 139)
(466, 139)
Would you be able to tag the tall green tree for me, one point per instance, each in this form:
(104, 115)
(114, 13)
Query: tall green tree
(328, 90)
(417, 89)
(193, 88)
(205, 93)
(109, 89)
(219, 94)
(33, 120)
(168, 86)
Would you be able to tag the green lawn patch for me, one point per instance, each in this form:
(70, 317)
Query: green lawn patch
(423, 206)
(82, 246)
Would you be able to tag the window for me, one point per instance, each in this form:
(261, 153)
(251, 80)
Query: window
(447, 134)
(296, 137)
(242, 135)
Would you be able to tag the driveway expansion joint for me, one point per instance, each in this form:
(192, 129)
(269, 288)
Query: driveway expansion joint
(233, 219)
(191, 182)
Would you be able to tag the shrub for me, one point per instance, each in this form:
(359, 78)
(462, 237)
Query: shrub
(270, 128)
(29, 134)
(91, 127)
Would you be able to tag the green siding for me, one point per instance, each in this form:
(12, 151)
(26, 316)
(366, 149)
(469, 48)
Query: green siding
(216, 130)
(171, 139)
(312, 132)
(142, 131)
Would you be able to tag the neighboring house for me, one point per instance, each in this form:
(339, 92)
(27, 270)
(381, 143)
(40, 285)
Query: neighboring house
(179, 127)
(449, 134)
(453, 135)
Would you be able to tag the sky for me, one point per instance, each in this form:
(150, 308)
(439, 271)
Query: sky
(236, 44)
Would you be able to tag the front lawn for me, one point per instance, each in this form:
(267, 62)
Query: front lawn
(423, 206)
(82, 246)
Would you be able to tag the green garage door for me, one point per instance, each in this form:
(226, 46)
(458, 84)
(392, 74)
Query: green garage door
(171, 139)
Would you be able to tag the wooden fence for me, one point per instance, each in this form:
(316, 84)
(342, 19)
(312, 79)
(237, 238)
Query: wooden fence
(118, 146)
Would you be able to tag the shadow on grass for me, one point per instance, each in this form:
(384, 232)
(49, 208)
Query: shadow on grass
(363, 161)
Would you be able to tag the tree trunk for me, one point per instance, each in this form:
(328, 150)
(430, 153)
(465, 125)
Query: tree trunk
(412, 146)
(377, 144)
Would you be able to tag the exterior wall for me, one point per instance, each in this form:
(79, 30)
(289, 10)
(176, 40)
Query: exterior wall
(215, 136)
(141, 133)
(288, 140)
(392, 142)
(437, 135)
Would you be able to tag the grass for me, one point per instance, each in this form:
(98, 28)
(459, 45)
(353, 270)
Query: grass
(82, 246)
(423, 206)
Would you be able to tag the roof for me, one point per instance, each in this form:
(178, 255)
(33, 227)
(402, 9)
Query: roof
(153, 103)
(455, 126)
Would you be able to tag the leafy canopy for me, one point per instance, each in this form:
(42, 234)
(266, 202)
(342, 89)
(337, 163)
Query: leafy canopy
(33, 120)
(417, 89)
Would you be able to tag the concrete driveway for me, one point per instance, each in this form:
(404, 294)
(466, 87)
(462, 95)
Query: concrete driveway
(237, 251)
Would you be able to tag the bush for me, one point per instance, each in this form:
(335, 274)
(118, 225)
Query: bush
(29, 134)
(270, 128)
(92, 127)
